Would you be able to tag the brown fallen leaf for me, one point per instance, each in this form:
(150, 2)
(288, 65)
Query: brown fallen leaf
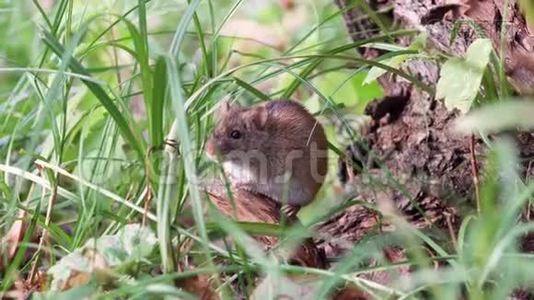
(97, 266)
(10, 242)
(304, 287)
(200, 286)
(23, 289)
(351, 292)
(250, 207)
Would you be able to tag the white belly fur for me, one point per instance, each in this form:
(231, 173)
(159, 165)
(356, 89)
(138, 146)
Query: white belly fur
(280, 190)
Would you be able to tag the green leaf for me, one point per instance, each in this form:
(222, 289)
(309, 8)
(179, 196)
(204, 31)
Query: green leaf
(340, 86)
(376, 72)
(510, 114)
(137, 241)
(418, 44)
(349, 89)
(461, 77)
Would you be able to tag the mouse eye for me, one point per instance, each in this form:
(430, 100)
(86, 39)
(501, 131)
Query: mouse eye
(235, 134)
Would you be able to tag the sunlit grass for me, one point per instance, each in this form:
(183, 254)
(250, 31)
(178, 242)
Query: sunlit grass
(106, 105)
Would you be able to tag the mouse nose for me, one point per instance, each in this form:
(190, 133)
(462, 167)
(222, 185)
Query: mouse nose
(211, 149)
(217, 146)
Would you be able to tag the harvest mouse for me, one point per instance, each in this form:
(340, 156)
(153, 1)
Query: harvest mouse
(276, 149)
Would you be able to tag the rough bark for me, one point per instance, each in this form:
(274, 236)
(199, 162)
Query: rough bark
(409, 131)
(249, 207)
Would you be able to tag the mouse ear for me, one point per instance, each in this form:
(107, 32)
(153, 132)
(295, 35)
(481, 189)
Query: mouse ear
(259, 116)
(225, 106)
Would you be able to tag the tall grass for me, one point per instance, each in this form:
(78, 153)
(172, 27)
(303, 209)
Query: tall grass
(105, 106)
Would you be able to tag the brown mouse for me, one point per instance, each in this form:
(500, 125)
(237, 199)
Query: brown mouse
(276, 149)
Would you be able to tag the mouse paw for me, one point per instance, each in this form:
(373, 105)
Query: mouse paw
(290, 211)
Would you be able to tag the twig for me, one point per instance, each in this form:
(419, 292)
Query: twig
(451, 230)
(148, 201)
(149, 194)
(529, 205)
(475, 171)
(44, 234)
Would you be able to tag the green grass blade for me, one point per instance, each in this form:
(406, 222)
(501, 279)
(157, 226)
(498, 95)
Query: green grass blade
(158, 101)
(251, 89)
(182, 28)
(99, 92)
